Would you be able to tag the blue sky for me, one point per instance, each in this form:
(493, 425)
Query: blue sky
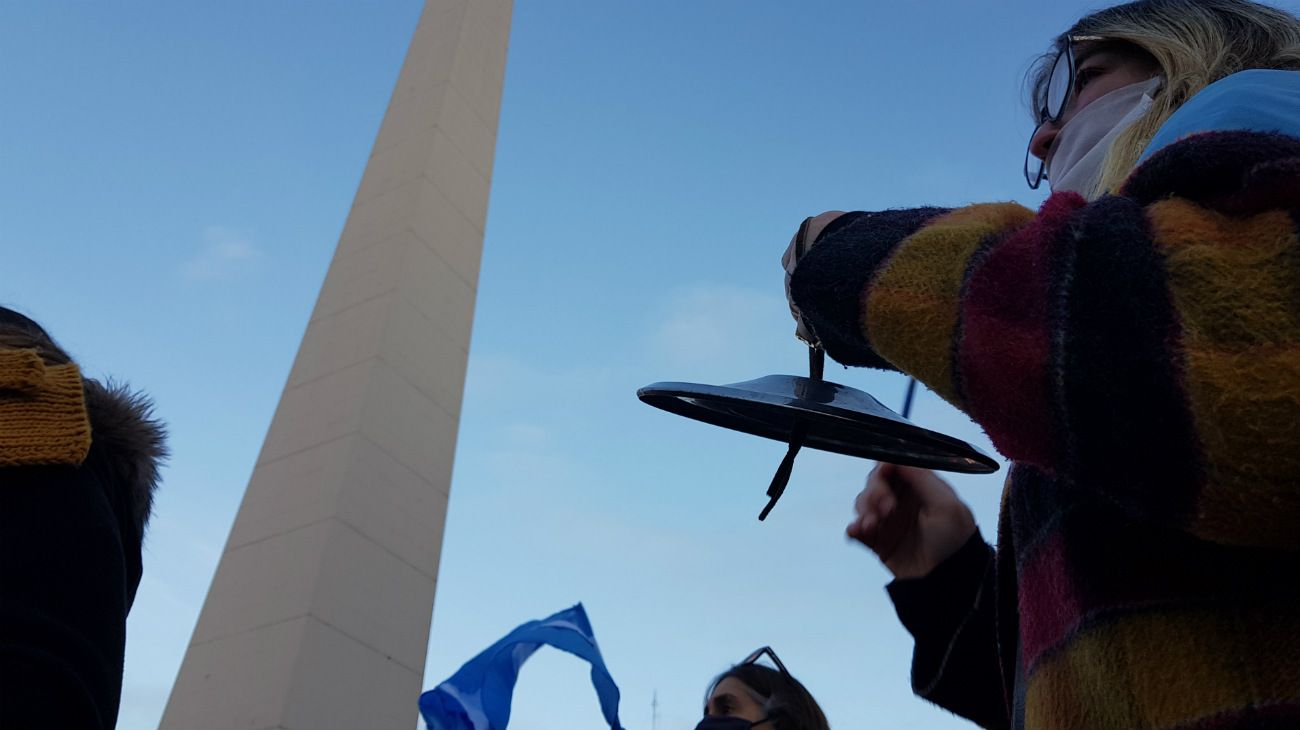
(173, 180)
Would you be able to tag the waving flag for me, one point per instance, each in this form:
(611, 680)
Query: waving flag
(477, 697)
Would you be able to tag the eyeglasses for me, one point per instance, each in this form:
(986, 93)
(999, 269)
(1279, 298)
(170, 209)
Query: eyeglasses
(759, 654)
(1060, 88)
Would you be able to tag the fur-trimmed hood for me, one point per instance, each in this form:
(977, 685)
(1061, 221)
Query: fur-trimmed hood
(128, 444)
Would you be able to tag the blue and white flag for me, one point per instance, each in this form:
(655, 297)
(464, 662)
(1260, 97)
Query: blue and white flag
(477, 697)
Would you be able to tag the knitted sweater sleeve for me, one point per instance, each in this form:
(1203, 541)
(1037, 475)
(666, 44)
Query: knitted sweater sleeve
(1145, 345)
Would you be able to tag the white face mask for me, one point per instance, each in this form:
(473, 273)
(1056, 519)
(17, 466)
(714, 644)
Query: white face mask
(1082, 144)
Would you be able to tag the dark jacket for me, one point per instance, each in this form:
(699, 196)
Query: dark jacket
(70, 543)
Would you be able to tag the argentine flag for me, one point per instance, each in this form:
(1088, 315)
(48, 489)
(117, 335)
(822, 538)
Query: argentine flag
(477, 697)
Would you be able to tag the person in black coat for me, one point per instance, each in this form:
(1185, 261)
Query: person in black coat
(79, 462)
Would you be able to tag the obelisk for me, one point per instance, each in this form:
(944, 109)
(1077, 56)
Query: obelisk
(318, 615)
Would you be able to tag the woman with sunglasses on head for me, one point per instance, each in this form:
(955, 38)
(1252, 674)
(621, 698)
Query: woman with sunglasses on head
(1134, 348)
(753, 695)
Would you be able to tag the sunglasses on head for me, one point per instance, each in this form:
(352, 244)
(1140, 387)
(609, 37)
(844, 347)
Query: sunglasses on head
(760, 653)
(728, 722)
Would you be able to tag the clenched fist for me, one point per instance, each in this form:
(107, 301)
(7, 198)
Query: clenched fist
(911, 519)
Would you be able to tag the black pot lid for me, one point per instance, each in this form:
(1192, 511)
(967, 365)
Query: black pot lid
(831, 417)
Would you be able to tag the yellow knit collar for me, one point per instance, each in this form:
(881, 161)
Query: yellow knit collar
(43, 418)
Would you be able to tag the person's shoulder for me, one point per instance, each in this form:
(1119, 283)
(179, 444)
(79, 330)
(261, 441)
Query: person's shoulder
(1234, 146)
(1234, 172)
(128, 443)
(1253, 100)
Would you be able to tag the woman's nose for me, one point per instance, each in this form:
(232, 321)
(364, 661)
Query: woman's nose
(1041, 143)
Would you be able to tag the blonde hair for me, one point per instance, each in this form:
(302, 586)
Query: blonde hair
(1195, 43)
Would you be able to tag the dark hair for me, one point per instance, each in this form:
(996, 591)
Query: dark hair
(19, 332)
(791, 706)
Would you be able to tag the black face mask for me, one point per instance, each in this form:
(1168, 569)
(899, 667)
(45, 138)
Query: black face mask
(727, 722)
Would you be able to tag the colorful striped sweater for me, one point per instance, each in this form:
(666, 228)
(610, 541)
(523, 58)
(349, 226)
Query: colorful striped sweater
(1138, 358)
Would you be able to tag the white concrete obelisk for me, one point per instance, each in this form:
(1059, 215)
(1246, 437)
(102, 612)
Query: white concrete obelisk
(318, 616)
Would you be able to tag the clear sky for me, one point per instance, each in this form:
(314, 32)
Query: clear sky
(173, 180)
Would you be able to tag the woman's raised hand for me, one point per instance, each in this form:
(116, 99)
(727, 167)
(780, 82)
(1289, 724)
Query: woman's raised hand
(911, 519)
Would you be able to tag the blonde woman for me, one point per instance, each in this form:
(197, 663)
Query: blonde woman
(1134, 348)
